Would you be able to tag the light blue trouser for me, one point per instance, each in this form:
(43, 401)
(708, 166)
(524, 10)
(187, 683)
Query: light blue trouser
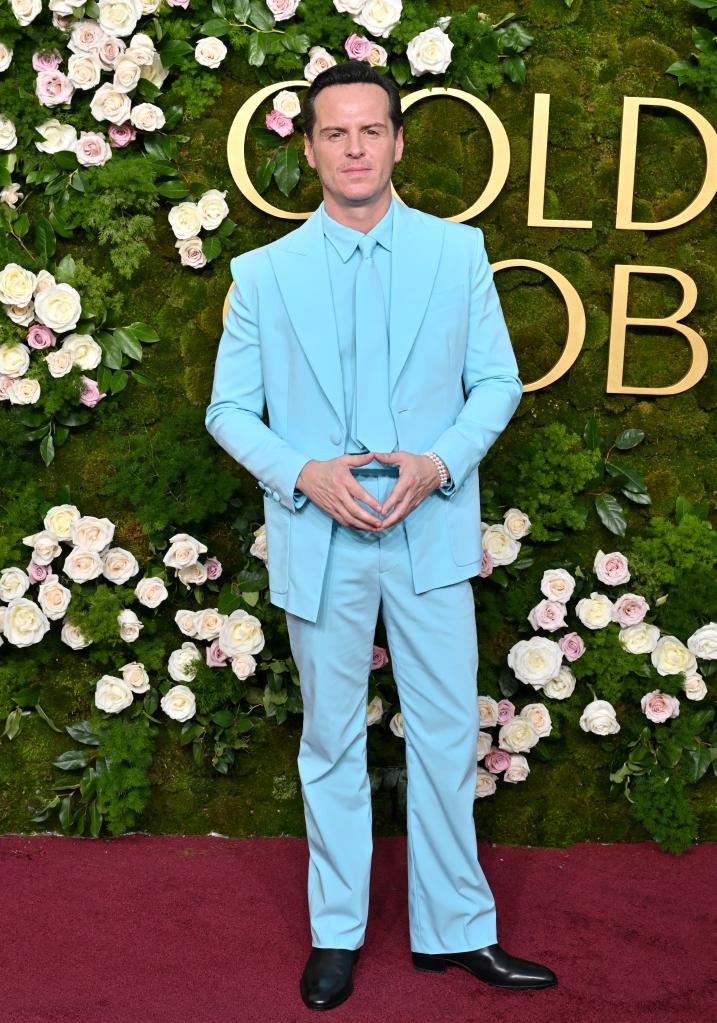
(433, 646)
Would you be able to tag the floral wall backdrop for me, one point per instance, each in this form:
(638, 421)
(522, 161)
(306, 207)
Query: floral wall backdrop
(145, 680)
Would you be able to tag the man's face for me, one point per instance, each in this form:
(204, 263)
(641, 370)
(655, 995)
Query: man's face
(353, 148)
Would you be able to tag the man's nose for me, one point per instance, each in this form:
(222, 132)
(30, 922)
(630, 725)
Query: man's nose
(354, 144)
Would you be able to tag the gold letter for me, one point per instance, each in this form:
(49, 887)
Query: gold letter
(576, 319)
(621, 321)
(538, 157)
(628, 153)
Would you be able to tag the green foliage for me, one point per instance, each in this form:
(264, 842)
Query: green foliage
(660, 803)
(127, 745)
(169, 475)
(94, 609)
(614, 674)
(215, 687)
(671, 553)
(700, 72)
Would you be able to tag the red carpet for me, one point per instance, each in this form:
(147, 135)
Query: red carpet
(192, 929)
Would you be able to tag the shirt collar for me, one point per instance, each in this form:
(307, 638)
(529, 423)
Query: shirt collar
(345, 239)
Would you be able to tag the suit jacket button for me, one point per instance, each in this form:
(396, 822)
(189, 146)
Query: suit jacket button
(275, 495)
(335, 438)
(261, 484)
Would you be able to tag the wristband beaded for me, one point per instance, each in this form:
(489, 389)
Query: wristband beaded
(440, 465)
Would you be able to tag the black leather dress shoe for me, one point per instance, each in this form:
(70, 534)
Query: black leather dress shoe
(491, 964)
(326, 980)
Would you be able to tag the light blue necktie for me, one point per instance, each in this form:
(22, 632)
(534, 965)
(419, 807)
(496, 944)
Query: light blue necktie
(372, 419)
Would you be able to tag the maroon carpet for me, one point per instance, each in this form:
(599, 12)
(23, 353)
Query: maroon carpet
(187, 929)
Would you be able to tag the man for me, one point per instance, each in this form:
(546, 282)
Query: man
(360, 330)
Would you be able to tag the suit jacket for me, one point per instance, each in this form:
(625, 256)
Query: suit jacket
(453, 381)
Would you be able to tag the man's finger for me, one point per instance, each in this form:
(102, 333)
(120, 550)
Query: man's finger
(396, 515)
(359, 493)
(397, 494)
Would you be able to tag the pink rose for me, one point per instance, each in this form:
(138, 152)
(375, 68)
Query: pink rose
(39, 337)
(506, 711)
(90, 392)
(213, 567)
(216, 658)
(282, 9)
(178, 3)
(52, 88)
(280, 123)
(486, 566)
(658, 707)
(497, 760)
(548, 615)
(629, 609)
(38, 572)
(48, 60)
(611, 568)
(572, 646)
(379, 658)
(122, 134)
(6, 383)
(358, 47)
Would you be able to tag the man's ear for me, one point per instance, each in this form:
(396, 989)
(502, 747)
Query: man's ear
(399, 144)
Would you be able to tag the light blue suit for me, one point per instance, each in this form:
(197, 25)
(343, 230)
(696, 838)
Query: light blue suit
(280, 346)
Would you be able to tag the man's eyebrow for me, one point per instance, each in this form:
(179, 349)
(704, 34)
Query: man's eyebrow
(374, 124)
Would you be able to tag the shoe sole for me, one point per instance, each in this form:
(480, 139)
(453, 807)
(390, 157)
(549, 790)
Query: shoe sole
(442, 965)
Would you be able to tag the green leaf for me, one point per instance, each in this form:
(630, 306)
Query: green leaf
(508, 683)
(636, 497)
(684, 507)
(216, 27)
(287, 173)
(12, 723)
(223, 718)
(119, 381)
(260, 15)
(591, 434)
(174, 189)
(255, 50)
(295, 42)
(72, 759)
(611, 513)
(265, 172)
(95, 819)
(629, 439)
(22, 225)
(82, 731)
(514, 69)
(46, 719)
(128, 343)
(241, 9)
(65, 813)
(634, 478)
(143, 332)
(211, 247)
(47, 449)
(173, 51)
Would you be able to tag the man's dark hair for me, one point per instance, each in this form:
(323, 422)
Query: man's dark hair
(347, 73)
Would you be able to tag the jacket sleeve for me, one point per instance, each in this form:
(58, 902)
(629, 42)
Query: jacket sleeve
(490, 377)
(234, 415)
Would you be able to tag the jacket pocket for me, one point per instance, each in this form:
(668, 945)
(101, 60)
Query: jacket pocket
(278, 523)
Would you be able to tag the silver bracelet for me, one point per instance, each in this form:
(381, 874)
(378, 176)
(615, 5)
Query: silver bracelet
(440, 465)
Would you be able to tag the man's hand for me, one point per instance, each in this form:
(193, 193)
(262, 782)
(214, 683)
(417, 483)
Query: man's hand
(417, 478)
(331, 486)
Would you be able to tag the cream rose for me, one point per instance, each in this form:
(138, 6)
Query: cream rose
(8, 134)
(210, 51)
(562, 686)
(193, 575)
(84, 70)
(287, 103)
(518, 735)
(595, 611)
(184, 550)
(485, 783)
(73, 636)
(191, 252)
(241, 633)
(259, 546)
(91, 533)
(349, 6)
(319, 60)
(129, 625)
(208, 623)
(484, 744)
(119, 17)
(14, 583)
(26, 11)
(379, 17)
(60, 518)
(671, 657)
(151, 591)
(24, 391)
(127, 72)
(539, 717)
(599, 717)
(85, 351)
(487, 711)
(179, 703)
(212, 208)
(58, 307)
(694, 687)
(14, 360)
(243, 665)
(186, 622)
(5, 57)
(112, 694)
(142, 49)
(396, 725)
(136, 677)
(703, 642)
(45, 546)
(519, 769)
(430, 50)
(535, 661)
(82, 564)
(374, 711)
(119, 565)
(639, 639)
(501, 546)
(611, 569)
(377, 55)
(185, 220)
(155, 72)
(57, 137)
(17, 285)
(147, 117)
(557, 584)
(24, 623)
(53, 597)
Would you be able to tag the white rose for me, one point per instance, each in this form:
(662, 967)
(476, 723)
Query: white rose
(129, 624)
(562, 686)
(377, 57)
(5, 57)
(185, 219)
(485, 783)
(241, 633)
(155, 72)
(17, 285)
(92, 533)
(287, 103)
(53, 597)
(186, 621)
(484, 743)
(86, 352)
(110, 104)
(112, 694)
(23, 315)
(640, 638)
(430, 50)
(119, 565)
(24, 623)
(14, 360)
(14, 582)
(518, 735)
(319, 60)
(487, 711)
(85, 37)
(180, 665)
(119, 17)
(136, 677)
(147, 117)
(45, 546)
(694, 687)
(282, 9)
(349, 6)
(396, 725)
(84, 70)
(671, 657)
(539, 717)
(212, 208)
(379, 17)
(557, 584)
(243, 665)
(60, 518)
(141, 49)
(179, 703)
(599, 717)
(184, 550)
(259, 546)
(703, 642)
(73, 636)
(374, 711)
(210, 52)
(25, 391)
(8, 135)
(127, 73)
(519, 769)
(193, 575)
(208, 623)
(58, 307)
(516, 523)
(151, 591)
(26, 11)
(57, 137)
(82, 564)
(501, 546)
(92, 149)
(595, 611)
(535, 661)
(11, 194)
(191, 252)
